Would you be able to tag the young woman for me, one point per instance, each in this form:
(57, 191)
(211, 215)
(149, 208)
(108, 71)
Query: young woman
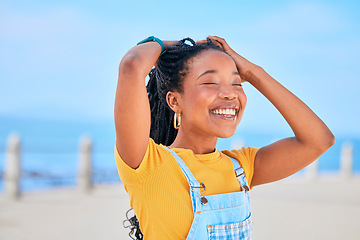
(180, 185)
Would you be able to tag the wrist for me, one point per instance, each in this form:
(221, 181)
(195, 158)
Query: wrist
(248, 71)
(154, 39)
(254, 74)
(169, 43)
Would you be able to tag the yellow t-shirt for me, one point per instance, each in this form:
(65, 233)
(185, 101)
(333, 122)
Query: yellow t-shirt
(159, 192)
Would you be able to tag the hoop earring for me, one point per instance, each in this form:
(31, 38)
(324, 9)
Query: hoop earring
(177, 120)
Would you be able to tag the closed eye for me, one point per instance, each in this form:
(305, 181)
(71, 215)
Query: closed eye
(209, 83)
(237, 84)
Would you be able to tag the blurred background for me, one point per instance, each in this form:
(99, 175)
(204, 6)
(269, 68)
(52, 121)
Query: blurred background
(59, 60)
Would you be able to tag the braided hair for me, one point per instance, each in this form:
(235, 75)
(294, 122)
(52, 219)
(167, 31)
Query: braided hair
(168, 75)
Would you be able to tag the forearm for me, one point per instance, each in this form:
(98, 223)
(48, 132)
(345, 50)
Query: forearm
(308, 128)
(141, 58)
(131, 100)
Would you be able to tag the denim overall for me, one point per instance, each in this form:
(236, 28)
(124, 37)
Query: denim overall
(221, 216)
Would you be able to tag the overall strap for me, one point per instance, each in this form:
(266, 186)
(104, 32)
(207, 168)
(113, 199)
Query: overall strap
(240, 175)
(195, 186)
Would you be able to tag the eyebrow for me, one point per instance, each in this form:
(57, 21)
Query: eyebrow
(214, 71)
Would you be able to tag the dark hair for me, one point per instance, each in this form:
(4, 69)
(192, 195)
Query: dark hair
(168, 75)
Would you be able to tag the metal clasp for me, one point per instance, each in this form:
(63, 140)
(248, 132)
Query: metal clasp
(203, 199)
(236, 172)
(245, 187)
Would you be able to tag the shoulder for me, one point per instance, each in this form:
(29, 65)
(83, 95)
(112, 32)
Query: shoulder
(154, 156)
(246, 157)
(242, 154)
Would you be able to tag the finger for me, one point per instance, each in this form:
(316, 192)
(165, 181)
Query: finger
(169, 43)
(201, 42)
(217, 38)
(221, 41)
(217, 43)
(213, 41)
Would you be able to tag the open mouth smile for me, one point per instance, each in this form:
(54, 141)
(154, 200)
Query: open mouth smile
(225, 113)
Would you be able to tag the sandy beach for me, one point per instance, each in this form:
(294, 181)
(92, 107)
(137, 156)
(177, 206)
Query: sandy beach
(326, 208)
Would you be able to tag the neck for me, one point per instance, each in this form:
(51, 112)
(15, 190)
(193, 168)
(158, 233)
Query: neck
(198, 144)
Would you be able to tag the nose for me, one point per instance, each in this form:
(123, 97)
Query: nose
(227, 92)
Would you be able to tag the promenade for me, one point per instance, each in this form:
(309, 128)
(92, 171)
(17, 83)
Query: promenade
(326, 208)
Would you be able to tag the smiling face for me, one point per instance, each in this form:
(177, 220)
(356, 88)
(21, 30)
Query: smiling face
(212, 101)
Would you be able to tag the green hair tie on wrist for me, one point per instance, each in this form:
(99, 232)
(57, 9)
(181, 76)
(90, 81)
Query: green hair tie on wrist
(154, 39)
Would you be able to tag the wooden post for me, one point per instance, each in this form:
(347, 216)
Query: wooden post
(346, 160)
(12, 173)
(85, 165)
(311, 171)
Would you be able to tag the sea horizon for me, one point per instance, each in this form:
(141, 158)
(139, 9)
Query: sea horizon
(50, 148)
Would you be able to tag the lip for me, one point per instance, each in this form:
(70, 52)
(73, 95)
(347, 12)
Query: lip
(226, 106)
(225, 116)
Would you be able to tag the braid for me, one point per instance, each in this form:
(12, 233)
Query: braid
(168, 76)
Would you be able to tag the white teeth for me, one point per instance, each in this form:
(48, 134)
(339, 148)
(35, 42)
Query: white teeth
(227, 111)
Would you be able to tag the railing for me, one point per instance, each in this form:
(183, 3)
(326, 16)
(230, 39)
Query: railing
(346, 164)
(84, 179)
(13, 173)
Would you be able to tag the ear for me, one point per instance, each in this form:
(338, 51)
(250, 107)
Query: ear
(173, 100)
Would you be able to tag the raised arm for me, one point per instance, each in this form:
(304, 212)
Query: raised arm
(132, 110)
(287, 156)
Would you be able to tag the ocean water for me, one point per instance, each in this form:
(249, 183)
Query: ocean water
(50, 151)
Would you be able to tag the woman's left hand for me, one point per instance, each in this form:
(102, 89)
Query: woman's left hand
(243, 65)
(287, 156)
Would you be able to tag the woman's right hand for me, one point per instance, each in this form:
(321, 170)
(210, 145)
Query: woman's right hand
(169, 43)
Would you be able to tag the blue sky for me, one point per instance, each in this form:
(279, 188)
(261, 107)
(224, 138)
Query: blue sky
(59, 59)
